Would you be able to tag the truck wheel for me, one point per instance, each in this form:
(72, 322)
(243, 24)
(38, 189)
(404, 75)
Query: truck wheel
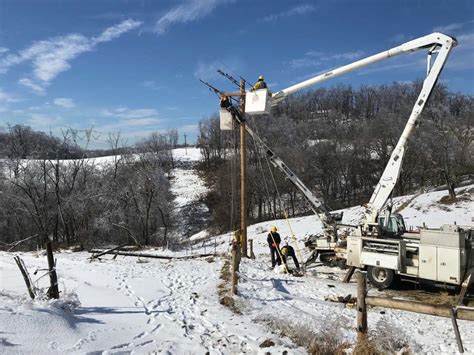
(380, 277)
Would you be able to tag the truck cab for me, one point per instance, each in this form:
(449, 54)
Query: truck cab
(395, 226)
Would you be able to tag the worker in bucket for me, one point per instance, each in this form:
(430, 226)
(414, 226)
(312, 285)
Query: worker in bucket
(260, 84)
(288, 251)
(225, 102)
(274, 241)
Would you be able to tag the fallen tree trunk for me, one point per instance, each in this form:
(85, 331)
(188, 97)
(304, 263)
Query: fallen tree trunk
(141, 255)
(418, 307)
(14, 245)
(107, 251)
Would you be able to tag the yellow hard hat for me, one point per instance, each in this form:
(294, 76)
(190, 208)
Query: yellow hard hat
(261, 77)
(274, 229)
(284, 251)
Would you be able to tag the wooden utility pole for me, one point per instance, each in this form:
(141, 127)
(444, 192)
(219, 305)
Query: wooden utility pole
(243, 173)
(185, 144)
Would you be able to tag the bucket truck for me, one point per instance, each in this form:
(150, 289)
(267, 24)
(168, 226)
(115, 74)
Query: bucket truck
(380, 243)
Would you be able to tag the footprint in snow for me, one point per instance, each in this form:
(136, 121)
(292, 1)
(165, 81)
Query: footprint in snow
(145, 343)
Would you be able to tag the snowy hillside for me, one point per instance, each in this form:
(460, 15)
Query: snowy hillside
(139, 305)
(190, 213)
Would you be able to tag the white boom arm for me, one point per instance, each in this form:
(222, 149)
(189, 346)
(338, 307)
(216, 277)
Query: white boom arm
(436, 43)
(443, 46)
(434, 39)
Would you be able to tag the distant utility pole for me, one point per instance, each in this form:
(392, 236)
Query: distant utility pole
(185, 144)
(243, 172)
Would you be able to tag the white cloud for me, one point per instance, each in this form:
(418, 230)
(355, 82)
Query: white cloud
(64, 102)
(153, 85)
(294, 11)
(53, 56)
(131, 114)
(466, 40)
(41, 121)
(336, 56)
(39, 89)
(142, 122)
(462, 56)
(6, 98)
(316, 58)
(116, 31)
(208, 71)
(399, 38)
(304, 62)
(188, 11)
(451, 27)
(3, 50)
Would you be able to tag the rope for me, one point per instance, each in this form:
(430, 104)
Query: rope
(259, 163)
(282, 207)
(232, 187)
(285, 214)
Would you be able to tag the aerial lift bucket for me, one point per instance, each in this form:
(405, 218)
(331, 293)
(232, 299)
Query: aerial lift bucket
(226, 120)
(258, 102)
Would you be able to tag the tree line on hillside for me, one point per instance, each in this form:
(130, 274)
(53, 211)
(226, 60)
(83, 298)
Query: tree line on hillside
(89, 202)
(22, 142)
(338, 141)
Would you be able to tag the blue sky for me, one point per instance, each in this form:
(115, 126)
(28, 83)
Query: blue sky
(133, 66)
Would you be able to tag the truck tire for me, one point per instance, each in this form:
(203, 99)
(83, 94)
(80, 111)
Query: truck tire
(380, 277)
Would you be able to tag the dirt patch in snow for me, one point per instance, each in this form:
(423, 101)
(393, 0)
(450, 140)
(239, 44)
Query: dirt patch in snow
(224, 288)
(448, 200)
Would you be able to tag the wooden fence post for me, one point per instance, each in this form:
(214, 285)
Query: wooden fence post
(53, 291)
(361, 306)
(26, 276)
(456, 329)
(252, 255)
(235, 266)
(348, 275)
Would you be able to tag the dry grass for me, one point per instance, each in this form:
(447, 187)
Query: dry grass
(366, 348)
(448, 200)
(387, 338)
(406, 203)
(324, 342)
(384, 339)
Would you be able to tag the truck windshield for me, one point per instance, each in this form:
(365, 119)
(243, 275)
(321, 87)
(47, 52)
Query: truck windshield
(392, 227)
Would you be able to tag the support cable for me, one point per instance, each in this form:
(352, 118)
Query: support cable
(282, 207)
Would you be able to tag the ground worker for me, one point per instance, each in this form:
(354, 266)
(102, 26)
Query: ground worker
(274, 241)
(260, 84)
(288, 251)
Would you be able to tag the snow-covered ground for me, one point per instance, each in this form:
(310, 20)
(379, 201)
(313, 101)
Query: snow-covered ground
(130, 305)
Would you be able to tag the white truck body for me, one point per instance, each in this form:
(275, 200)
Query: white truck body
(441, 255)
